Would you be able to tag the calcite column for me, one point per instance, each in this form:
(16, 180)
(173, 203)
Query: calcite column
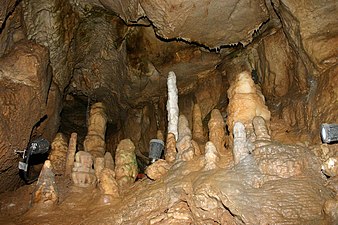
(83, 174)
(216, 130)
(126, 166)
(245, 102)
(172, 105)
(94, 142)
(104, 168)
(211, 156)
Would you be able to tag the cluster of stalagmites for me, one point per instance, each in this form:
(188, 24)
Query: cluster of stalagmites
(248, 123)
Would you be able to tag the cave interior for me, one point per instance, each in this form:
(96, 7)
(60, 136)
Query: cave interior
(168, 112)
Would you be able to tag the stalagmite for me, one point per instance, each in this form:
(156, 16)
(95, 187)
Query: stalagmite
(126, 166)
(216, 130)
(211, 156)
(71, 153)
(197, 126)
(58, 154)
(98, 166)
(46, 190)
(184, 146)
(109, 161)
(172, 105)
(83, 174)
(95, 139)
(240, 149)
(261, 131)
(158, 169)
(245, 102)
(170, 151)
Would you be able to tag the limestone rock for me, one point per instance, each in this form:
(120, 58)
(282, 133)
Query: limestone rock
(245, 102)
(240, 149)
(71, 153)
(158, 169)
(126, 166)
(197, 126)
(107, 182)
(307, 27)
(174, 19)
(216, 130)
(330, 167)
(211, 156)
(25, 82)
(184, 145)
(172, 105)
(170, 151)
(95, 139)
(109, 161)
(58, 154)
(46, 191)
(83, 174)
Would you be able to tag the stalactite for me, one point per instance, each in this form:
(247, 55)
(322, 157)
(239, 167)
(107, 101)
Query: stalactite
(95, 139)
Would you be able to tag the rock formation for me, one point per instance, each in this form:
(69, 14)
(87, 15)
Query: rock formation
(217, 131)
(245, 102)
(58, 154)
(170, 150)
(172, 105)
(71, 153)
(184, 145)
(46, 191)
(83, 174)
(125, 163)
(97, 123)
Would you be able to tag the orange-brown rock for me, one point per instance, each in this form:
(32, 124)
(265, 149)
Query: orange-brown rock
(94, 142)
(71, 153)
(158, 169)
(24, 87)
(170, 150)
(58, 154)
(197, 127)
(217, 130)
(245, 102)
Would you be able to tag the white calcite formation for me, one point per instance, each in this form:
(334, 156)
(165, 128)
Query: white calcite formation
(240, 149)
(172, 105)
(211, 156)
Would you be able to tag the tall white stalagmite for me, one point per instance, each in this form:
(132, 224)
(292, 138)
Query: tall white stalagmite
(172, 105)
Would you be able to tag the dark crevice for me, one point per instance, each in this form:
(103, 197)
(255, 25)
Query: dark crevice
(3, 25)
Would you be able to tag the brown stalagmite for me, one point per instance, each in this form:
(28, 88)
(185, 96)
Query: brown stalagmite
(245, 102)
(184, 146)
(58, 154)
(197, 126)
(159, 135)
(158, 169)
(126, 166)
(46, 192)
(216, 130)
(71, 153)
(83, 174)
(95, 139)
(170, 153)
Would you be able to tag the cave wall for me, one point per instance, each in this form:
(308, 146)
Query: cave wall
(89, 52)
